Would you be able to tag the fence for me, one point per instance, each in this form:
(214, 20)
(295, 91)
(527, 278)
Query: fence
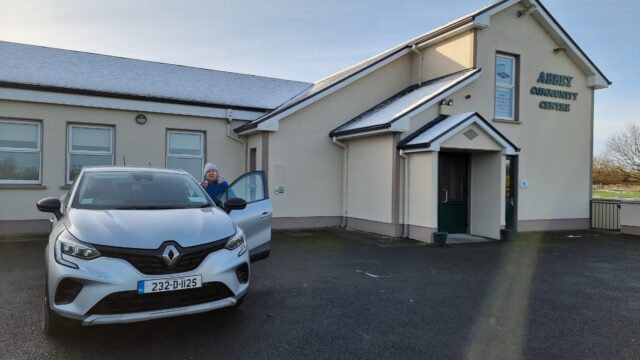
(605, 214)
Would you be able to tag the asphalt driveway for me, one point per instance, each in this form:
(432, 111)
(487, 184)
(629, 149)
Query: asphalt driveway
(336, 294)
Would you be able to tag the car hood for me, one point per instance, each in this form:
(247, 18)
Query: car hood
(148, 229)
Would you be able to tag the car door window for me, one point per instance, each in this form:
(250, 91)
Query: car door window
(250, 187)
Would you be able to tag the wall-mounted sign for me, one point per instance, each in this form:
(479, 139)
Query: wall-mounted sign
(558, 80)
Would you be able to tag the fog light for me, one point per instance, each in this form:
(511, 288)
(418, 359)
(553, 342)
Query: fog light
(67, 291)
(242, 272)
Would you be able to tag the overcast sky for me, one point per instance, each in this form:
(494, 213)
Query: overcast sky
(309, 39)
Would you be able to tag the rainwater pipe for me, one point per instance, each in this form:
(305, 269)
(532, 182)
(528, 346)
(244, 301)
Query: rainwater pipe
(405, 203)
(414, 48)
(345, 178)
(229, 134)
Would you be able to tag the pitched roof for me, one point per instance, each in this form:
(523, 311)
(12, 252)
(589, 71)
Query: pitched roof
(38, 67)
(430, 135)
(333, 81)
(406, 103)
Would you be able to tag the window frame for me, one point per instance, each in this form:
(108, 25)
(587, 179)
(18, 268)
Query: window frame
(70, 150)
(203, 150)
(514, 87)
(25, 150)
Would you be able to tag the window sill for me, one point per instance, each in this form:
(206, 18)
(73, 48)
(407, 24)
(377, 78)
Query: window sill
(22, 187)
(507, 121)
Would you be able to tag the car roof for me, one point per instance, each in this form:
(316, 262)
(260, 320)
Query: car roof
(131, 169)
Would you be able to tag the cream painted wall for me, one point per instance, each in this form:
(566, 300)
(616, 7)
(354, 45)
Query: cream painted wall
(486, 194)
(481, 142)
(369, 193)
(138, 144)
(302, 151)
(556, 146)
(449, 56)
(423, 189)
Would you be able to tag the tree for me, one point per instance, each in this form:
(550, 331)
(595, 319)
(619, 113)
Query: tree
(624, 150)
(605, 171)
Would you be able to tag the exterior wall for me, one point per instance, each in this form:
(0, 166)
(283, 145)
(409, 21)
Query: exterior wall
(630, 217)
(138, 144)
(370, 178)
(486, 210)
(556, 146)
(304, 159)
(254, 141)
(423, 194)
(449, 56)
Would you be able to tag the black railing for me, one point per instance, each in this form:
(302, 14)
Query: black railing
(605, 214)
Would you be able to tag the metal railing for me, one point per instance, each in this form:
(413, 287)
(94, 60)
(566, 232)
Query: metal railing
(605, 214)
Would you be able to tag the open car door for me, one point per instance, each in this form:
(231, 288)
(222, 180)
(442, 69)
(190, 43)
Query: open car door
(255, 219)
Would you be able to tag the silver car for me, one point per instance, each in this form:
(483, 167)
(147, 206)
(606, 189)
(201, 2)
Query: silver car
(134, 244)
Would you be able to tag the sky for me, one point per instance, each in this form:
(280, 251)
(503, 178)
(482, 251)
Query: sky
(310, 39)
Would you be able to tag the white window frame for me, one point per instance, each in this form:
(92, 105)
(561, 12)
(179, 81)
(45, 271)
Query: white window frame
(70, 150)
(184, 156)
(26, 150)
(514, 68)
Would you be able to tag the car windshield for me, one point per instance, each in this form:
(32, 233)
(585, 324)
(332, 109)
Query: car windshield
(138, 190)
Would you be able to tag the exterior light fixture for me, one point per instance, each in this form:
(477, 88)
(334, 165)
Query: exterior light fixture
(559, 50)
(141, 119)
(450, 102)
(443, 102)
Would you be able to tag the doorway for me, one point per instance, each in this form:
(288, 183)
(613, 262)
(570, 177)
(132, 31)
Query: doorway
(453, 186)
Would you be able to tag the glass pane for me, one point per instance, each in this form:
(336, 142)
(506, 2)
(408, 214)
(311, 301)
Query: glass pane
(504, 102)
(250, 188)
(504, 70)
(452, 178)
(138, 190)
(19, 166)
(185, 144)
(90, 139)
(192, 166)
(77, 162)
(21, 136)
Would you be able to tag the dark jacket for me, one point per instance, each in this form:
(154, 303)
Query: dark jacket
(215, 189)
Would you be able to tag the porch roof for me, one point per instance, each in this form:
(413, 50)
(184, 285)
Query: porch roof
(430, 136)
(406, 103)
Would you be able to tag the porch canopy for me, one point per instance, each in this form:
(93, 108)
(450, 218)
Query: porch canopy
(473, 131)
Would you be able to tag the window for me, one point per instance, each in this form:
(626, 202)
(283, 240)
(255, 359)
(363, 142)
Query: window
(250, 187)
(505, 87)
(88, 145)
(185, 151)
(20, 152)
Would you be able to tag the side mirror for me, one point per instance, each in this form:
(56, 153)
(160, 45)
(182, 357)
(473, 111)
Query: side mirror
(50, 205)
(234, 204)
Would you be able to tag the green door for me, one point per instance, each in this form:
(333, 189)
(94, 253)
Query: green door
(452, 194)
(510, 193)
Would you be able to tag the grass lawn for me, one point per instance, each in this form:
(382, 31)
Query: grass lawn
(617, 191)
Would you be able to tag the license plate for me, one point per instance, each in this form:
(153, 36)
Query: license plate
(169, 284)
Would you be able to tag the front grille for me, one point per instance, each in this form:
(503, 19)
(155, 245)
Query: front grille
(130, 301)
(150, 262)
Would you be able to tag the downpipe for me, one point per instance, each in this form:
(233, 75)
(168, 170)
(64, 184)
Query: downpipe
(405, 203)
(345, 179)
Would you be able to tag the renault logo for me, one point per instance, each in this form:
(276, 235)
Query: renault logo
(170, 255)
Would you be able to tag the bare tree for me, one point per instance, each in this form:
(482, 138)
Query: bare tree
(624, 150)
(605, 171)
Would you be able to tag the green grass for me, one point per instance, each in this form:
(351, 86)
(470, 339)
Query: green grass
(614, 194)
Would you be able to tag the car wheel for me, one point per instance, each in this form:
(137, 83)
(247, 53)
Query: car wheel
(50, 321)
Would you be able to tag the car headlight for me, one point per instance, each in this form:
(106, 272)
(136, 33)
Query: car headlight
(237, 241)
(66, 244)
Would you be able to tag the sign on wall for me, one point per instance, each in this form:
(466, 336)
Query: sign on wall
(557, 80)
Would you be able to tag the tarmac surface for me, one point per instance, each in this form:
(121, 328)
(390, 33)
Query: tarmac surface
(339, 294)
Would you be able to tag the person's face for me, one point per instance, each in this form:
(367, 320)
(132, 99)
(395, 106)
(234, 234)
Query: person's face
(211, 175)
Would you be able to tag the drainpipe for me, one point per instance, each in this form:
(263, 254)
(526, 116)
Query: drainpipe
(229, 133)
(414, 48)
(405, 203)
(345, 178)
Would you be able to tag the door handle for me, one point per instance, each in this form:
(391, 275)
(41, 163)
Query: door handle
(446, 195)
(264, 214)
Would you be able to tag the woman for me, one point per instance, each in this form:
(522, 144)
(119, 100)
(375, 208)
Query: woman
(213, 183)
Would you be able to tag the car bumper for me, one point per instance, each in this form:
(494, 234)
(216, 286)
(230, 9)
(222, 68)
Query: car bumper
(104, 276)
